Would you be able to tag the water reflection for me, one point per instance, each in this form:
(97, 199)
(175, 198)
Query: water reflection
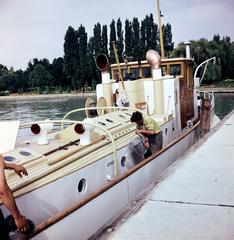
(224, 104)
(32, 110)
(56, 108)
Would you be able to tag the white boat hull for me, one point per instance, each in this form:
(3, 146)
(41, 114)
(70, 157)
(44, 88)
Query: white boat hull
(103, 209)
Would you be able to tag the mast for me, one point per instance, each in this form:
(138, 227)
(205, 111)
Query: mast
(160, 30)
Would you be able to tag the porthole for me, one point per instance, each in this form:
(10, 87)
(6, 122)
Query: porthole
(25, 153)
(9, 158)
(123, 161)
(166, 131)
(82, 186)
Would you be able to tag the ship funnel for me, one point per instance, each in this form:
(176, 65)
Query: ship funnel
(42, 130)
(154, 61)
(84, 130)
(188, 55)
(102, 63)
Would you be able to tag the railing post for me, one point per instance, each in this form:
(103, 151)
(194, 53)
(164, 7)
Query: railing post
(205, 116)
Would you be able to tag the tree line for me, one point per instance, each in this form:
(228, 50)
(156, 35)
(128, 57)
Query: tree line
(76, 70)
(201, 50)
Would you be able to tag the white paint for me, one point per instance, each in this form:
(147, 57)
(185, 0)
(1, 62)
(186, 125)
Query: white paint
(99, 91)
(157, 73)
(101, 211)
(149, 95)
(106, 77)
(194, 199)
(169, 95)
(9, 131)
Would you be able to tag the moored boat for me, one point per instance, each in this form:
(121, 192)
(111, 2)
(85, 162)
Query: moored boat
(84, 176)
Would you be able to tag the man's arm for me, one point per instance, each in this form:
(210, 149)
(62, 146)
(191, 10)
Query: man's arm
(9, 201)
(145, 132)
(20, 170)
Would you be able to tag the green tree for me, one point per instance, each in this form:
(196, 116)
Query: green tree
(93, 73)
(112, 38)
(104, 40)
(97, 39)
(4, 78)
(58, 72)
(82, 35)
(120, 41)
(40, 77)
(143, 47)
(167, 39)
(136, 39)
(71, 60)
(128, 38)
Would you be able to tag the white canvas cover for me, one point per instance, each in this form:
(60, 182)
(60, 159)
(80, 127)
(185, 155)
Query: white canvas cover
(8, 134)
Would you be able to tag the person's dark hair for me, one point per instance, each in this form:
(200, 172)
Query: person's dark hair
(136, 116)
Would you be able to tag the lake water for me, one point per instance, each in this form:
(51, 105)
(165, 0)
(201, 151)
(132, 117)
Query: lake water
(56, 108)
(40, 109)
(224, 104)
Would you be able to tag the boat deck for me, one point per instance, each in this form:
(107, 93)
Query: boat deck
(195, 196)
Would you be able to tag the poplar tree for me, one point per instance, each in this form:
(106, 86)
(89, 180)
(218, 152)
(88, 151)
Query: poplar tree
(128, 38)
(136, 39)
(112, 38)
(104, 41)
(82, 37)
(143, 47)
(167, 39)
(120, 43)
(70, 55)
(97, 39)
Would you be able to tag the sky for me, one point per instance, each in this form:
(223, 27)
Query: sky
(36, 28)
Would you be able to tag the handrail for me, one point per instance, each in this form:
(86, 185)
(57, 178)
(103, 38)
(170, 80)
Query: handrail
(199, 66)
(210, 96)
(91, 124)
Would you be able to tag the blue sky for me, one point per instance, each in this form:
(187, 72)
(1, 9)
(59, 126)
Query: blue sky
(36, 28)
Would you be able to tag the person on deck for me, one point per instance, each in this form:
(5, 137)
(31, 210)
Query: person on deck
(149, 128)
(8, 200)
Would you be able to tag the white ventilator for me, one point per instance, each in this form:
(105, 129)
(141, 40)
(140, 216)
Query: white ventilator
(42, 130)
(84, 130)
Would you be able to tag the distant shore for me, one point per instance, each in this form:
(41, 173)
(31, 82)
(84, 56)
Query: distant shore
(46, 96)
(217, 89)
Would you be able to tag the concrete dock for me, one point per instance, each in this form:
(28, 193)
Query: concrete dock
(195, 196)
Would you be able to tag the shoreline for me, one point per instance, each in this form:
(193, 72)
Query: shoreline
(217, 89)
(46, 96)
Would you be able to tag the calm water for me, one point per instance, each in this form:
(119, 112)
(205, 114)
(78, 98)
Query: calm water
(56, 108)
(224, 104)
(31, 110)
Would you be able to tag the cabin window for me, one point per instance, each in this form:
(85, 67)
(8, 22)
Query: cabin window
(124, 73)
(146, 72)
(115, 75)
(164, 70)
(175, 69)
(134, 73)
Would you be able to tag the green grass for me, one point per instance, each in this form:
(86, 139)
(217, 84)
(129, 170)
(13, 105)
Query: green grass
(227, 83)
